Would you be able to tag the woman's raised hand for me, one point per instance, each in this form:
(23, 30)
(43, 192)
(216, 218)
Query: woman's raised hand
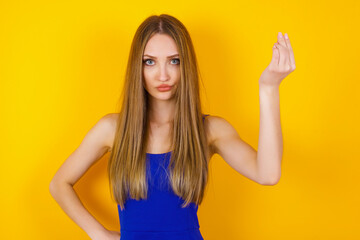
(282, 62)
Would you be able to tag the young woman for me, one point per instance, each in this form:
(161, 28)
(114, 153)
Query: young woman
(161, 142)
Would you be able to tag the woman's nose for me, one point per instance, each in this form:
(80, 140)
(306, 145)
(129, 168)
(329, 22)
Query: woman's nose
(163, 72)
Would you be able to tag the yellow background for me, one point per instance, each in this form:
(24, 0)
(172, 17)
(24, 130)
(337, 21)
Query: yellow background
(62, 68)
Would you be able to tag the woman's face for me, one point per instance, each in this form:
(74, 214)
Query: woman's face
(161, 66)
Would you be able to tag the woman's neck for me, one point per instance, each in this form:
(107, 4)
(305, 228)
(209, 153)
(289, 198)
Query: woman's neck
(161, 112)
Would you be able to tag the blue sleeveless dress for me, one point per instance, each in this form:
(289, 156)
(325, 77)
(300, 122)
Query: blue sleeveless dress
(160, 216)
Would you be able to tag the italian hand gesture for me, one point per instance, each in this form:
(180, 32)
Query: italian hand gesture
(282, 62)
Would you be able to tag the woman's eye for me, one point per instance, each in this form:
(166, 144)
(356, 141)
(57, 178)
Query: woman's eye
(147, 60)
(178, 60)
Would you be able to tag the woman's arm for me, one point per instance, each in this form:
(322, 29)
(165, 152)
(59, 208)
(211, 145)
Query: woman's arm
(65, 195)
(270, 145)
(95, 144)
(264, 166)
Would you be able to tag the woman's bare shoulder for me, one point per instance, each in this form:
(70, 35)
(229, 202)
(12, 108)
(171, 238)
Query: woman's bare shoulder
(214, 124)
(111, 120)
(112, 117)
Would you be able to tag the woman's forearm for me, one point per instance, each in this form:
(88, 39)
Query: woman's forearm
(270, 146)
(65, 195)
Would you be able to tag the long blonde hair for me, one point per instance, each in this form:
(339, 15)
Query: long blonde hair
(188, 167)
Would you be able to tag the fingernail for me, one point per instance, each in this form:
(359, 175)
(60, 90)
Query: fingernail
(286, 36)
(280, 35)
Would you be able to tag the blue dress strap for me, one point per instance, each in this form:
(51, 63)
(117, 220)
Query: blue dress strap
(204, 115)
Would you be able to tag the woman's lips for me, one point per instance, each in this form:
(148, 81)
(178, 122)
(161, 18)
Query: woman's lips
(164, 89)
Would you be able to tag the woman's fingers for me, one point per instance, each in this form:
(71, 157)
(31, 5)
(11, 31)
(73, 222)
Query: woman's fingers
(291, 53)
(283, 55)
(281, 39)
(284, 61)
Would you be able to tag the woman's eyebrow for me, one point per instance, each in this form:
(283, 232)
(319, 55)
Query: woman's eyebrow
(167, 57)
